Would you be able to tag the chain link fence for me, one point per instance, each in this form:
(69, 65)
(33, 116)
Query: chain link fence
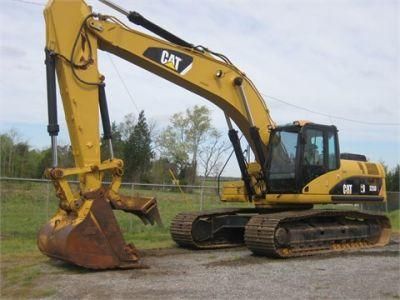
(392, 203)
(193, 193)
(27, 204)
(200, 193)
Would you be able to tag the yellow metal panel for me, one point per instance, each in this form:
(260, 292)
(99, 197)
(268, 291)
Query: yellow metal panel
(348, 168)
(234, 191)
(64, 19)
(295, 199)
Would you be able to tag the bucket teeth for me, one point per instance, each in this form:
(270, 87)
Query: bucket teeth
(144, 207)
(92, 238)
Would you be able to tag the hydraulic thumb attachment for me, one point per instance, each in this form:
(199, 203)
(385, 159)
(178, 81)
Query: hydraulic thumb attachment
(84, 231)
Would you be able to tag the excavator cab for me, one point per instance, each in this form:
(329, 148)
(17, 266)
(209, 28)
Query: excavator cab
(299, 153)
(296, 154)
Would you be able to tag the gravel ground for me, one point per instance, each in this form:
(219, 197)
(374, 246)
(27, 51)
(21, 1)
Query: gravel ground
(236, 273)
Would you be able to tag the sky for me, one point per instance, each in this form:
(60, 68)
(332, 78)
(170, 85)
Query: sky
(339, 58)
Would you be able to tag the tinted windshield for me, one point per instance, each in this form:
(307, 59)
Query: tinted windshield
(283, 155)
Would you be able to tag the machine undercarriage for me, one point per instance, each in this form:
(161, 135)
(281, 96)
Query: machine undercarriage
(279, 232)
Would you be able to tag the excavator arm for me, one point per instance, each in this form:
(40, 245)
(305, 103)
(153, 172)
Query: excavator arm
(84, 230)
(75, 39)
(197, 69)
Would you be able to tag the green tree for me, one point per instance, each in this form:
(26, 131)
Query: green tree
(172, 143)
(125, 128)
(44, 163)
(180, 142)
(17, 159)
(21, 157)
(65, 159)
(160, 171)
(212, 152)
(6, 154)
(199, 127)
(118, 143)
(138, 151)
(393, 179)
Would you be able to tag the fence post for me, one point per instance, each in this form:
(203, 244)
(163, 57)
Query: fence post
(201, 195)
(47, 200)
(201, 198)
(386, 205)
(131, 218)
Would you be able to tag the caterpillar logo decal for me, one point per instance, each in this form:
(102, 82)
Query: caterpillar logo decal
(358, 186)
(174, 60)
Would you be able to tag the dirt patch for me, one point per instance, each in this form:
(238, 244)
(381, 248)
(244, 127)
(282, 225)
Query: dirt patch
(238, 261)
(163, 252)
(234, 273)
(176, 273)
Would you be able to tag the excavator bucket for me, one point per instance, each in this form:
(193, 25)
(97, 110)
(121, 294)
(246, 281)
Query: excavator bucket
(90, 237)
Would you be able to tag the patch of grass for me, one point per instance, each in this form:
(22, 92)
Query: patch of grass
(390, 295)
(394, 217)
(25, 207)
(19, 274)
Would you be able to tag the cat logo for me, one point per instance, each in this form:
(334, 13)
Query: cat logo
(347, 189)
(174, 60)
(170, 60)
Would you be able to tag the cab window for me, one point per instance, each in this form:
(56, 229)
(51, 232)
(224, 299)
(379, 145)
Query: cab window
(284, 146)
(333, 162)
(314, 147)
(319, 152)
(283, 154)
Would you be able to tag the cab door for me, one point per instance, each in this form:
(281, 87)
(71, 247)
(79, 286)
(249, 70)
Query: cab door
(320, 152)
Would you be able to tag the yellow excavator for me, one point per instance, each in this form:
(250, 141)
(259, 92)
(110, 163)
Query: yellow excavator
(296, 166)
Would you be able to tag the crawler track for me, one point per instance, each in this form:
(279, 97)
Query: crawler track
(302, 233)
(182, 227)
(213, 229)
(277, 233)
